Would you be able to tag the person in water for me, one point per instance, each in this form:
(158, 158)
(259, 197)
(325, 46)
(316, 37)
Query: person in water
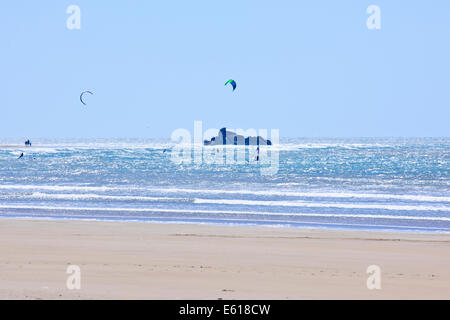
(257, 156)
(21, 156)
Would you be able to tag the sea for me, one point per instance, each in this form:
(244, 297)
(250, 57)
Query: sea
(382, 184)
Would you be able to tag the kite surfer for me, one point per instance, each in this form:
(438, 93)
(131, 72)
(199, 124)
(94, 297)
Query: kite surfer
(256, 157)
(21, 156)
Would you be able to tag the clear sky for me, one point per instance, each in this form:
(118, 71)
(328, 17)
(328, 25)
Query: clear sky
(308, 68)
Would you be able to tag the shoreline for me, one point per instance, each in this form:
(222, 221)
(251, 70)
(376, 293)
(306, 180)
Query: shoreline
(188, 261)
(383, 229)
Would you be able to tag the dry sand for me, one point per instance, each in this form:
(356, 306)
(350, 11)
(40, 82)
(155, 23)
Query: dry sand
(120, 260)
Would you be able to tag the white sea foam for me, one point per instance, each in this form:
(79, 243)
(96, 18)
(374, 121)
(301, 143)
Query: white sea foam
(313, 194)
(191, 211)
(91, 196)
(406, 197)
(60, 188)
(298, 203)
(305, 204)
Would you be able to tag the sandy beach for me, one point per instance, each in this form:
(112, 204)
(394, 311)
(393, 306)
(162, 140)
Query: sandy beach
(120, 260)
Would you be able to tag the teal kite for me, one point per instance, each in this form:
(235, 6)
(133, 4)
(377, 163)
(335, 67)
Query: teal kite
(232, 82)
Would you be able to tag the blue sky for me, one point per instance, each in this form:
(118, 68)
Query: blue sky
(307, 68)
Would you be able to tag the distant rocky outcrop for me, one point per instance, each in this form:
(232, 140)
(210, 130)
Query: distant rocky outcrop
(228, 137)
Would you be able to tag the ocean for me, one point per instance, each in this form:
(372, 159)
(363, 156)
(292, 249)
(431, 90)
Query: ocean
(387, 184)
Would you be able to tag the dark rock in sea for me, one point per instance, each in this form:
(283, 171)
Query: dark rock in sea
(229, 137)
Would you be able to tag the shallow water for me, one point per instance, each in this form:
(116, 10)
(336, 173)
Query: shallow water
(369, 184)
